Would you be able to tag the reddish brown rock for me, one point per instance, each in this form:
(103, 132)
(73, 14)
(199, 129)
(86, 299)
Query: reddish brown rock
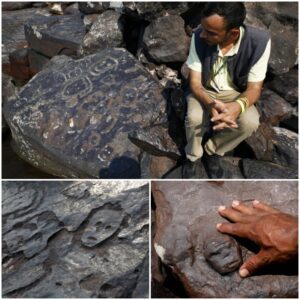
(186, 215)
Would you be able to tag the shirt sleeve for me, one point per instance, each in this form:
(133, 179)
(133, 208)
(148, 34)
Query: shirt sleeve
(259, 70)
(193, 61)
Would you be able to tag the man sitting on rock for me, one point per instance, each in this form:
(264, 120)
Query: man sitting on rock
(228, 63)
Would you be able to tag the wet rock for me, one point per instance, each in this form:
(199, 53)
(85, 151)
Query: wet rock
(65, 267)
(93, 7)
(266, 170)
(286, 85)
(261, 142)
(55, 35)
(189, 245)
(273, 108)
(72, 120)
(155, 166)
(285, 147)
(36, 61)
(106, 32)
(163, 44)
(156, 141)
(222, 167)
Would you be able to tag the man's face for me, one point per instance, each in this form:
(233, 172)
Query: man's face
(214, 30)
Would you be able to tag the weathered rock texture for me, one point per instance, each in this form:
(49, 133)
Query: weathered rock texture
(73, 119)
(75, 239)
(203, 260)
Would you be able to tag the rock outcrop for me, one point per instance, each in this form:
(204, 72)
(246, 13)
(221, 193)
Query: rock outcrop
(72, 120)
(75, 239)
(199, 258)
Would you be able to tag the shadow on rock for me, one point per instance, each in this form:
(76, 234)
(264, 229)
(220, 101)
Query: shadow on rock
(121, 168)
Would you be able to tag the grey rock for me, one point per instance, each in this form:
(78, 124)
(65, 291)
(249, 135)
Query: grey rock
(150, 11)
(285, 147)
(156, 141)
(106, 32)
(164, 44)
(222, 167)
(93, 7)
(273, 108)
(101, 226)
(64, 267)
(55, 35)
(284, 48)
(72, 120)
(286, 85)
(266, 170)
(7, 6)
(186, 216)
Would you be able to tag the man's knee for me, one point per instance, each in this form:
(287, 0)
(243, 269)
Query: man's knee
(250, 124)
(194, 118)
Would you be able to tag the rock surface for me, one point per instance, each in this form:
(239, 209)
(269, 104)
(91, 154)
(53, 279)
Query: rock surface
(187, 242)
(266, 170)
(55, 35)
(106, 32)
(47, 226)
(164, 44)
(73, 118)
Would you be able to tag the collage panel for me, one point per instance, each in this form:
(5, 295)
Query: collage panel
(195, 257)
(111, 91)
(75, 239)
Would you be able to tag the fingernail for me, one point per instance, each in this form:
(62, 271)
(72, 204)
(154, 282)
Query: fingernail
(221, 208)
(255, 202)
(219, 225)
(244, 273)
(212, 119)
(235, 203)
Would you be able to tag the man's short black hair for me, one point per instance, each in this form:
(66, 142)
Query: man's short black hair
(233, 12)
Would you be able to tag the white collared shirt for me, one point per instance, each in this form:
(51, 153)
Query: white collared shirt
(222, 81)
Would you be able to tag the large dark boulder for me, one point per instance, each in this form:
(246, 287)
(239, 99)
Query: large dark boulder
(254, 169)
(73, 119)
(286, 85)
(13, 36)
(285, 147)
(204, 261)
(106, 32)
(273, 108)
(164, 44)
(58, 242)
(281, 20)
(55, 35)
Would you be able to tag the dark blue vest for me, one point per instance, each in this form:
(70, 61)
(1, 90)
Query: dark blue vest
(252, 47)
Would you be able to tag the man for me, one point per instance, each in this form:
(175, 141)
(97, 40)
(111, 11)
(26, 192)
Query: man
(228, 63)
(276, 234)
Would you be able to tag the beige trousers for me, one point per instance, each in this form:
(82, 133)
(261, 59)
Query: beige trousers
(197, 122)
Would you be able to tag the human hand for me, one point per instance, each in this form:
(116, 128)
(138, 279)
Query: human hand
(227, 118)
(275, 232)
